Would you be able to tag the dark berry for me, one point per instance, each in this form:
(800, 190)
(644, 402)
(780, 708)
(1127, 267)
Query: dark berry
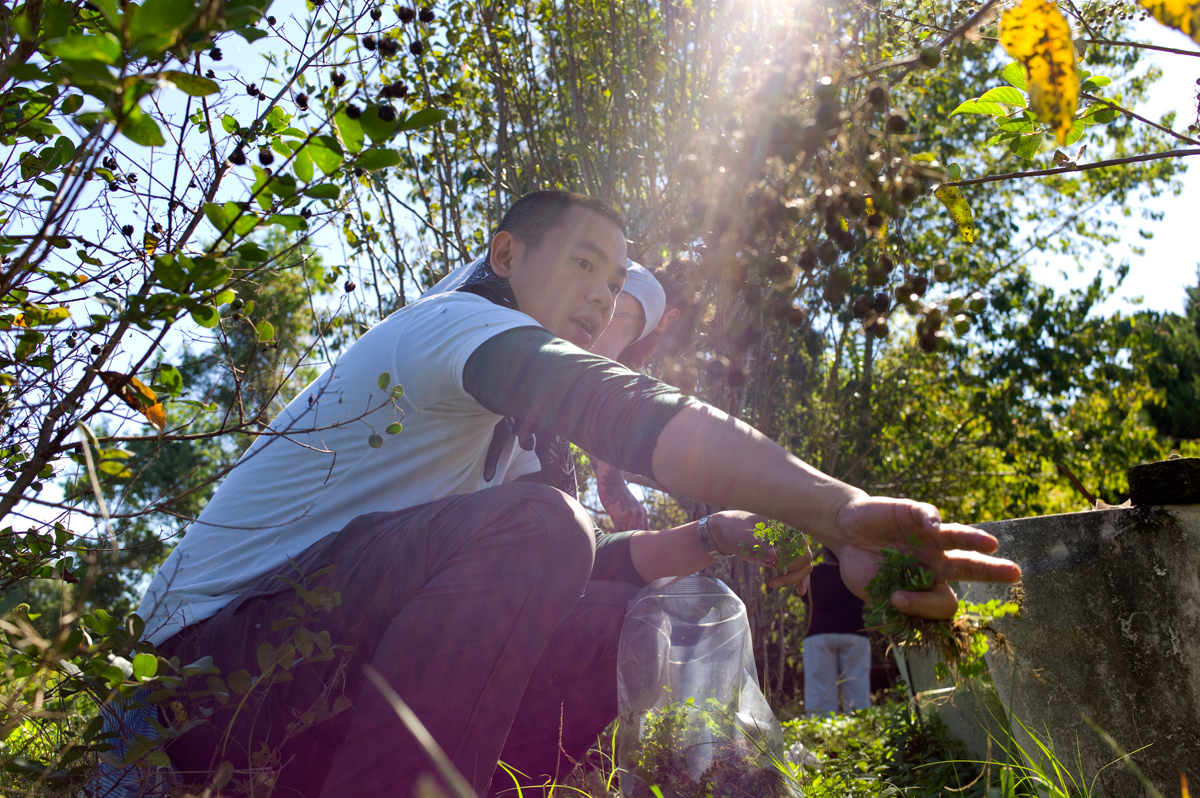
(156, 227)
(353, 111)
(349, 286)
(909, 190)
(252, 89)
(265, 157)
(305, 214)
(388, 46)
(387, 113)
(919, 284)
(131, 178)
(271, 21)
(861, 307)
(215, 54)
(127, 230)
(368, 42)
(897, 124)
(827, 253)
(302, 101)
(338, 78)
(399, 90)
(855, 204)
(358, 172)
(262, 97)
(110, 163)
(406, 14)
(114, 280)
(237, 157)
(113, 185)
(882, 302)
(875, 221)
(426, 14)
(877, 95)
(210, 74)
(416, 48)
(96, 349)
(376, 13)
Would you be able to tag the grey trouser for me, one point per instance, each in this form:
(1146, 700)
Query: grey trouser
(478, 611)
(832, 661)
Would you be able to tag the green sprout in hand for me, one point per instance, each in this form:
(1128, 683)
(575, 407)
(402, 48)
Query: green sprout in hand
(789, 542)
(962, 641)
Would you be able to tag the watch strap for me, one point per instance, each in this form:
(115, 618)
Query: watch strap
(706, 540)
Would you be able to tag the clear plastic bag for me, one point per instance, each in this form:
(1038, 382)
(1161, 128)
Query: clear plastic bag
(693, 721)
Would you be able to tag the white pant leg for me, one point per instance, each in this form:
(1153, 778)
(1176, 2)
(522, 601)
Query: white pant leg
(854, 666)
(820, 675)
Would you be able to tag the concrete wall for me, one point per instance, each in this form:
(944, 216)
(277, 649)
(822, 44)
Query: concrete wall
(1111, 630)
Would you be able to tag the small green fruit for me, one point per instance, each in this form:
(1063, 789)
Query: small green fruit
(930, 57)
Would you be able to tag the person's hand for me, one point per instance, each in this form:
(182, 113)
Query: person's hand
(733, 533)
(619, 502)
(867, 524)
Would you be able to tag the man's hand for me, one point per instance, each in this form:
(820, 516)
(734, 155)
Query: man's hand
(733, 533)
(867, 524)
(619, 502)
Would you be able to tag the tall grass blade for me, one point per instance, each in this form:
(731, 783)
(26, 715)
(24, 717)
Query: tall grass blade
(445, 767)
(1123, 757)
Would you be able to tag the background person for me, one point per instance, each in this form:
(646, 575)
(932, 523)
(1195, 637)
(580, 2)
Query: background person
(837, 654)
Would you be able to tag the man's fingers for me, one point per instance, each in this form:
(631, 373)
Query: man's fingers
(965, 538)
(925, 515)
(937, 604)
(969, 566)
(800, 573)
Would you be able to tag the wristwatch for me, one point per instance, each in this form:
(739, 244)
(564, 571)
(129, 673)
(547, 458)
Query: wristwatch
(706, 541)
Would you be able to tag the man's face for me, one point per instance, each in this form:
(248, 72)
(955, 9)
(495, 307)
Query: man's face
(571, 280)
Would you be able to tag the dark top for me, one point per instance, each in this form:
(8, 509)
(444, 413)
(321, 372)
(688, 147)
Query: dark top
(832, 608)
(596, 403)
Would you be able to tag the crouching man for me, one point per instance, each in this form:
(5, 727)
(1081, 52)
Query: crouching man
(490, 607)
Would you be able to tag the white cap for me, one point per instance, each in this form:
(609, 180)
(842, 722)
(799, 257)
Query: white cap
(646, 289)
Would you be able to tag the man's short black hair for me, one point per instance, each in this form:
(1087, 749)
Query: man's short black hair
(533, 214)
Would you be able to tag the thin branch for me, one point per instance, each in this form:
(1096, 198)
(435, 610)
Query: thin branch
(1154, 156)
(1192, 53)
(1143, 119)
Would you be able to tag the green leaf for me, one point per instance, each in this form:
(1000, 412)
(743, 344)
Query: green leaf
(397, 391)
(144, 666)
(192, 85)
(1005, 95)
(114, 469)
(290, 223)
(240, 683)
(1027, 146)
(350, 132)
(375, 128)
(141, 129)
(169, 272)
(157, 17)
(77, 47)
(384, 381)
(1014, 73)
(229, 124)
(1095, 82)
(110, 11)
(252, 252)
(266, 331)
(977, 107)
(326, 153)
(219, 215)
(170, 379)
(266, 657)
(1104, 115)
(72, 104)
(377, 159)
(302, 163)
(327, 191)
(426, 117)
(206, 316)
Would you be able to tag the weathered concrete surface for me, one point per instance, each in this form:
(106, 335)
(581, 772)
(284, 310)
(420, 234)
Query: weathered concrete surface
(970, 708)
(1111, 629)
(1167, 482)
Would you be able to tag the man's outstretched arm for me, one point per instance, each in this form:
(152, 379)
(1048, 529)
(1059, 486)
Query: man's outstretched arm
(642, 425)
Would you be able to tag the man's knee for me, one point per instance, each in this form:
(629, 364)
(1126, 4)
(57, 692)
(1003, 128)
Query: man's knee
(567, 528)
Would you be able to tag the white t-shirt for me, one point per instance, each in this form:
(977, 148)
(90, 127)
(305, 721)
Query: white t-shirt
(289, 491)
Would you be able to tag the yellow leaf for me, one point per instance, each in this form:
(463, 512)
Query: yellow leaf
(960, 211)
(137, 395)
(1181, 15)
(1036, 34)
